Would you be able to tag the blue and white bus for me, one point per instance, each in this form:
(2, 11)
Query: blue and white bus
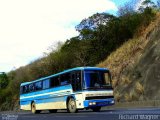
(71, 90)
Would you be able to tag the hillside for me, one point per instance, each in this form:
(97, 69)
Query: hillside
(135, 66)
(127, 44)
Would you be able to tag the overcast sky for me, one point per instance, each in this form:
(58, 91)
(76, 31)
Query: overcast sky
(29, 27)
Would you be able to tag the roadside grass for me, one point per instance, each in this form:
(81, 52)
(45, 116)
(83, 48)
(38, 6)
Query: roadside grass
(124, 57)
(125, 81)
(117, 96)
(139, 88)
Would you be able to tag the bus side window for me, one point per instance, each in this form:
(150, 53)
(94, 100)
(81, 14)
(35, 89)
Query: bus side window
(25, 89)
(21, 90)
(46, 84)
(55, 81)
(65, 79)
(31, 88)
(38, 85)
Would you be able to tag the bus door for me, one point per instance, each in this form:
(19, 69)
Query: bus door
(76, 81)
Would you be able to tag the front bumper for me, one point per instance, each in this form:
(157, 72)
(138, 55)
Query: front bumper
(98, 103)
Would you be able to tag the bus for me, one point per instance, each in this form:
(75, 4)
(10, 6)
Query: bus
(72, 90)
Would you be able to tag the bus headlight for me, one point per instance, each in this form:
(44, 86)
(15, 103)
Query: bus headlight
(112, 102)
(92, 103)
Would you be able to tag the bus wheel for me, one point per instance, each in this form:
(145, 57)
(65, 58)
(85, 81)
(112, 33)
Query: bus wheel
(52, 111)
(71, 106)
(96, 109)
(33, 108)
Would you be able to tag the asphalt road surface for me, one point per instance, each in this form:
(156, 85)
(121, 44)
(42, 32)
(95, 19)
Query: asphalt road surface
(114, 114)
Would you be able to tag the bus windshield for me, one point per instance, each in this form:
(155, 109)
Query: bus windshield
(97, 79)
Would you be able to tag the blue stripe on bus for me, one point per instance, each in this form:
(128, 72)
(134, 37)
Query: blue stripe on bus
(39, 101)
(59, 99)
(25, 102)
(45, 97)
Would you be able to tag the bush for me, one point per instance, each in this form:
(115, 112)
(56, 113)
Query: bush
(139, 88)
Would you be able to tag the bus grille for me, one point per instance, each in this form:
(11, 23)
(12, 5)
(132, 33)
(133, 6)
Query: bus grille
(98, 97)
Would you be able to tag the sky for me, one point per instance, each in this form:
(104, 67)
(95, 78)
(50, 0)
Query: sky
(29, 27)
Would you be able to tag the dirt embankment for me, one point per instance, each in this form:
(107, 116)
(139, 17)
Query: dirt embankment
(148, 66)
(135, 66)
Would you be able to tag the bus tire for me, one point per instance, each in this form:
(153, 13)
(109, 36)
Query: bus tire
(33, 108)
(71, 106)
(96, 109)
(53, 111)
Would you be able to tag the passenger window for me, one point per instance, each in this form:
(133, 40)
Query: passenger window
(21, 90)
(55, 81)
(38, 85)
(25, 89)
(31, 88)
(46, 84)
(65, 79)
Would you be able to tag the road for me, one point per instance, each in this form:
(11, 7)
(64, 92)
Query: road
(113, 114)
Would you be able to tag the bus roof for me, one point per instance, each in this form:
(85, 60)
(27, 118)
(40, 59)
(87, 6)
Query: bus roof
(65, 71)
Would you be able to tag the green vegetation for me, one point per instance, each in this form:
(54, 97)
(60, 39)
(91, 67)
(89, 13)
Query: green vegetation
(3, 80)
(99, 36)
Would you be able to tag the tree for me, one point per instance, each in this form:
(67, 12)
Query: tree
(127, 9)
(148, 3)
(77, 50)
(158, 4)
(94, 21)
(3, 80)
(147, 6)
